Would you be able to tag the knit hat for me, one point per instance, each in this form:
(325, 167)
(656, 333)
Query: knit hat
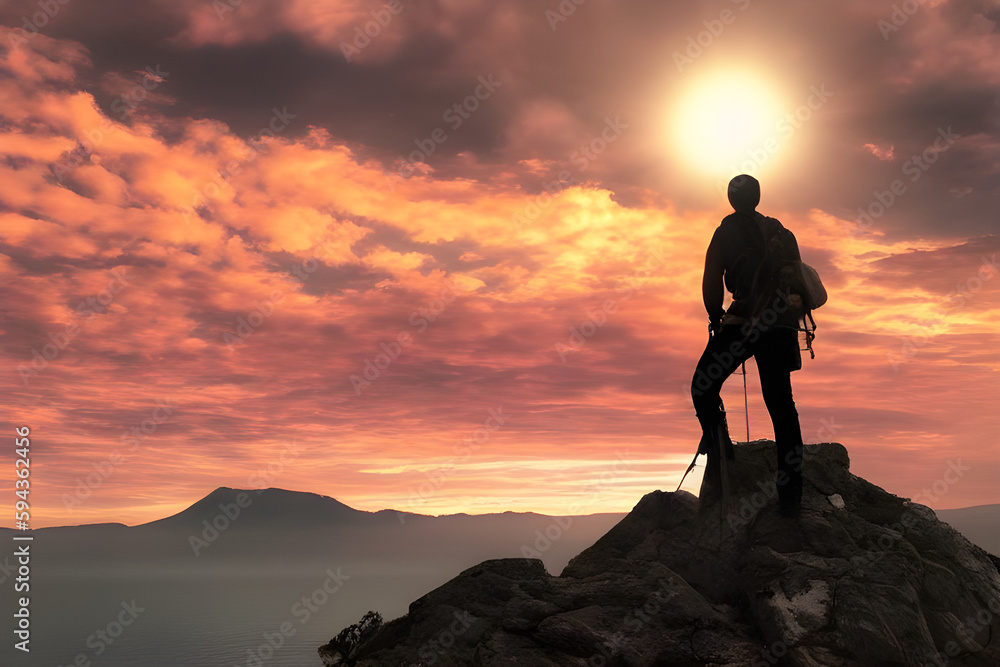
(744, 193)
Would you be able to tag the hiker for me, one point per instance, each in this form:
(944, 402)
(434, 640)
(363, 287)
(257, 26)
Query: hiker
(755, 325)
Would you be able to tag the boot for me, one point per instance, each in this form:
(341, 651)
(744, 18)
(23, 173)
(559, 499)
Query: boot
(709, 427)
(714, 427)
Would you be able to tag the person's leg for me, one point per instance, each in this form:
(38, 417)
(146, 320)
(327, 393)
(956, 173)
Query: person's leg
(723, 354)
(775, 354)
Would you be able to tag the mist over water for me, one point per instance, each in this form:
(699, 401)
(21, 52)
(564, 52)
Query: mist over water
(197, 618)
(279, 581)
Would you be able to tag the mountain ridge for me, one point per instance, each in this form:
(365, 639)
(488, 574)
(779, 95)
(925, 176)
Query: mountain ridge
(960, 515)
(225, 495)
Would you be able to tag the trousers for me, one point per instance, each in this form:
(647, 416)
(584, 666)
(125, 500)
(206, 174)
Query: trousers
(776, 351)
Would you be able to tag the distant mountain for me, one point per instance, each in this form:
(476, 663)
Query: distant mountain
(980, 524)
(282, 528)
(264, 508)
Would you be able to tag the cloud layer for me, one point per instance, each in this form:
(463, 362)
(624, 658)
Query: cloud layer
(225, 268)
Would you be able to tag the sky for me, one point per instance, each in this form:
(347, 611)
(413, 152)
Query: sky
(445, 256)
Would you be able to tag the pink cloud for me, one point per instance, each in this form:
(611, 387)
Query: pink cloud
(261, 281)
(882, 153)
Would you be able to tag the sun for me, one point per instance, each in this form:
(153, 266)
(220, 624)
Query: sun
(727, 123)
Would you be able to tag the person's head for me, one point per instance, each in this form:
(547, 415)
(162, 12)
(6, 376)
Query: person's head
(744, 193)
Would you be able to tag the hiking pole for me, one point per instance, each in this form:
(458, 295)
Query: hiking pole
(684, 476)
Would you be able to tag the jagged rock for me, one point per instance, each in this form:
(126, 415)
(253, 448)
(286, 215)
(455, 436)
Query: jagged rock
(862, 577)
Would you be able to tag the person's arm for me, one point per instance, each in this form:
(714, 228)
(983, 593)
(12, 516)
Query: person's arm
(712, 289)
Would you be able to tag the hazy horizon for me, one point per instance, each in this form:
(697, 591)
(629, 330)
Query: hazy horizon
(253, 493)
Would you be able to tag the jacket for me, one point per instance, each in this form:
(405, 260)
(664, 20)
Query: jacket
(732, 259)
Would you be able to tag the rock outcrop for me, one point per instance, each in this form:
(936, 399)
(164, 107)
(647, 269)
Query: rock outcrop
(861, 577)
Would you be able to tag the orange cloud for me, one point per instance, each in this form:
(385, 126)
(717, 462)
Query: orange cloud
(260, 281)
(884, 154)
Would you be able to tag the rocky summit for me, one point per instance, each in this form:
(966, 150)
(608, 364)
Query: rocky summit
(861, 577)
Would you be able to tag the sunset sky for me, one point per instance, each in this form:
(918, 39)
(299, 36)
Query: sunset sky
(215, 217)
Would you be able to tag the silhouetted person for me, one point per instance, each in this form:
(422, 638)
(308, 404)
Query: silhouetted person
(770, 335)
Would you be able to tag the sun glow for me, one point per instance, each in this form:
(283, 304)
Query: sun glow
(727, 123)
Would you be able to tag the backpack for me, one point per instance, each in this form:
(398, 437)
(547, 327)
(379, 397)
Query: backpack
(782, 277)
